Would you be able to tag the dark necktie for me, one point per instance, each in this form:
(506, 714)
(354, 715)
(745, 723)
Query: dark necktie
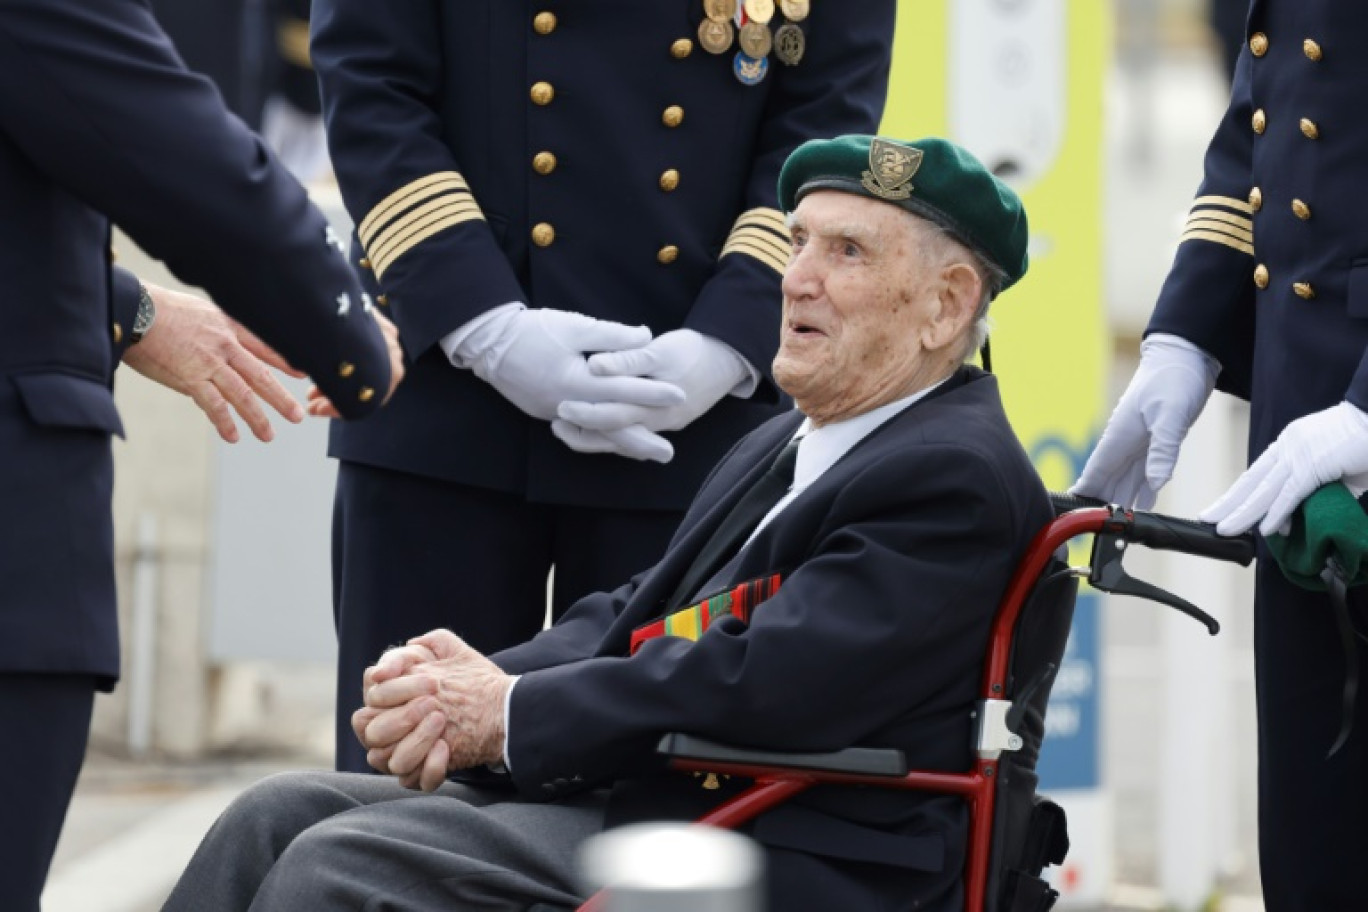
(737, 526)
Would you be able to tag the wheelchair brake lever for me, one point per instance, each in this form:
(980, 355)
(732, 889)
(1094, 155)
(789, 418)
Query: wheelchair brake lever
(1109, 576)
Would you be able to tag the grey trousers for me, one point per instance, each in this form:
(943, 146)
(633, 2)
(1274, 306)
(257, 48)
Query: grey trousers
(323, 841)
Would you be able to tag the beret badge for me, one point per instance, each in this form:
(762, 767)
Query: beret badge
(891, 169)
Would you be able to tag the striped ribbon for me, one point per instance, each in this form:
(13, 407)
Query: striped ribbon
(689, 623)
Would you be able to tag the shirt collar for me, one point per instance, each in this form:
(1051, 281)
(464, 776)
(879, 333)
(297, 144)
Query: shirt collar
(820, 448)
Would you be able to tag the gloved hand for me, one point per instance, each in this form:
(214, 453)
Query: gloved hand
(634, 442)
(1139, 446)
(297, 138)
(1312, 451)
(536, 360)
(703, 367)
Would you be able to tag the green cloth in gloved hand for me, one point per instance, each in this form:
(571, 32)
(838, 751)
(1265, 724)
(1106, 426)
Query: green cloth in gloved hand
(1329, 523)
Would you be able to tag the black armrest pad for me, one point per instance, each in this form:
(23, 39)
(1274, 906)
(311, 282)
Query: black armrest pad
(869, 761)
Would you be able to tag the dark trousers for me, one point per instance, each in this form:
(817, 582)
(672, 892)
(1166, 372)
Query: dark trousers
(411, 554)
(46, 721)
(1313, 811)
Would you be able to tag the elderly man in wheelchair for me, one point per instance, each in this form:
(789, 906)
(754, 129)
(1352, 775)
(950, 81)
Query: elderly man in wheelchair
(833, 584)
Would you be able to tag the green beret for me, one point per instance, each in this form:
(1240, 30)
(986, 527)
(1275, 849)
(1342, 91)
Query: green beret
(931, 178)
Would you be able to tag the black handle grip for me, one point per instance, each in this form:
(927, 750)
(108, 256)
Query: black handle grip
(1063, 503)
(1169, 533)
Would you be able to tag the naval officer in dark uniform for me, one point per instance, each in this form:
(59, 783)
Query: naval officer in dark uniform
(99, 121)
(533, 184)
(1268, 300)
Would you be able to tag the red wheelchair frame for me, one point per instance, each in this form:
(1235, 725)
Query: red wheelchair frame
(778, 777)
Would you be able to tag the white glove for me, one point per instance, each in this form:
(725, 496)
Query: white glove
(1322, 447)
(536, 360)
(1139, 446)
(634, 442)
(297, 138)
(705, 368)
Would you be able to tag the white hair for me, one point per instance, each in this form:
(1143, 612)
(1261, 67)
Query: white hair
(939, 248)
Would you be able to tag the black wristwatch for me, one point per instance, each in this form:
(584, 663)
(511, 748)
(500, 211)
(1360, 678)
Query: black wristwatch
(147, 313)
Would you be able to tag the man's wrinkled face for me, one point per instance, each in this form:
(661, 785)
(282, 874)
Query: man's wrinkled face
(859, 303)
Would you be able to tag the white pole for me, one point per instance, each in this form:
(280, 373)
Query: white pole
(142, 658)
(1196, 775)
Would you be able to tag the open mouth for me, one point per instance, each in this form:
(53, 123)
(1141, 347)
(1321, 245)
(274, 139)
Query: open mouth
(804, 329)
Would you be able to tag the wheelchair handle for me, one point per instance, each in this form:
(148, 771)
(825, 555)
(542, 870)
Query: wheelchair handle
(1166, 533)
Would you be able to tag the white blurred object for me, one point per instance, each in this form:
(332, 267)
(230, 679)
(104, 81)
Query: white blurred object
(674, 867)
(297, 138)
(1007, 85)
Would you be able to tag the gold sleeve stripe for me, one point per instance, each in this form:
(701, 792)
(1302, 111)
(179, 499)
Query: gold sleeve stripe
(1241, 234)
(765, 216)
(406, 196)
(1229, 202)
(380, 246)
(778, 232)
(422, 232)
(759, 237)
(1217, 215)
(292, 38)
(763, 254)
(1196, 235)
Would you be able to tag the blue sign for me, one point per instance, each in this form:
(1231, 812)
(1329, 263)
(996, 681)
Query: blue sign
(1069, 758)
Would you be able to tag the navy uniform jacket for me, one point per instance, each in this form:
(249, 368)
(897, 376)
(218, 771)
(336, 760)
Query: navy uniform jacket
(895, 561)
(98, 122)
(589, 157)
(1272, 274)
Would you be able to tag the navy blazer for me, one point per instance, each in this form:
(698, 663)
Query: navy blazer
(100, 122)
(588, 157)
(1271, 275)
(895, 561)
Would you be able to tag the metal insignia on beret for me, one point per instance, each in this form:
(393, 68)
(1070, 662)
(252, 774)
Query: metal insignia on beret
(891, 168)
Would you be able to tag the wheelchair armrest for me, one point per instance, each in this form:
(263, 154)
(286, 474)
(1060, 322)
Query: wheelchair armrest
(868, 761)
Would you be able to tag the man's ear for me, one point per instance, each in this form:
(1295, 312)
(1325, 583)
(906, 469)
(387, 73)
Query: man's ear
(957, 302)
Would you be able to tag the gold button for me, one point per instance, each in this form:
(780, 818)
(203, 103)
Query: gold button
(543, 234)
(1309, 129)
(1301, 210)
(346, 369)
(363, 263)
(366, 394)
(1256, 199)
(669, 180)
(118, 333)
(1304, 290)
(542, 93)
(1258, 44)
(543, 163)
(668, 254)
(1261, 275)
(1311, 49)
(673, 116)
(382, 300)
(1259, 121)
(544, 23)
(681, 48)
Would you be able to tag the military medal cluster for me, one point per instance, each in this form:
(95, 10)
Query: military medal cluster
(717, 33)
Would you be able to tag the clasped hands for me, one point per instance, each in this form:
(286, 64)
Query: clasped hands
(607, 387)
(432, 706)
